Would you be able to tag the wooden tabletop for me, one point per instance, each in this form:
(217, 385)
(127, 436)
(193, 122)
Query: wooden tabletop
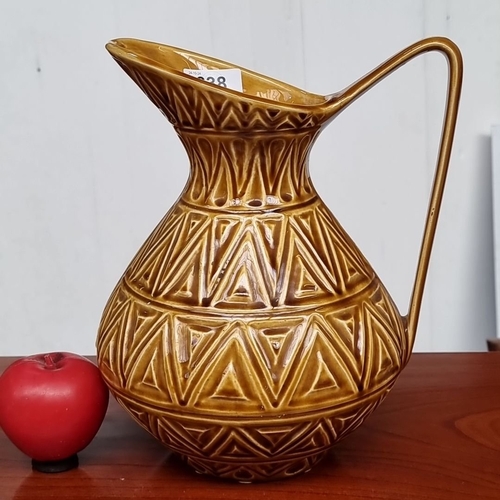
(437, 436)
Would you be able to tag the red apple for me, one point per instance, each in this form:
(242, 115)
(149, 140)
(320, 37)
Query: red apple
(52, 405)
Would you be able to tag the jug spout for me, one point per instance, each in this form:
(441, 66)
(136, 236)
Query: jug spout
(263, 105)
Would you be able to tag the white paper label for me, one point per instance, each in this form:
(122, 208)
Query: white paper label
(228, 78)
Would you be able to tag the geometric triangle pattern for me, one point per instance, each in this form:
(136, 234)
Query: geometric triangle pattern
(258, 452)
(236, 263)
(298, 361)
(184, 105)
(302, 381)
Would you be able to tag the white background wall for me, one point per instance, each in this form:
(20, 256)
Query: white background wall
(88, 166)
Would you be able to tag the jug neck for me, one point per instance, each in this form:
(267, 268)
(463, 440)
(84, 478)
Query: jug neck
(248, 149)
(248, 171)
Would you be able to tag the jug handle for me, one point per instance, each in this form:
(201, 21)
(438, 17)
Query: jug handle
(338, 102)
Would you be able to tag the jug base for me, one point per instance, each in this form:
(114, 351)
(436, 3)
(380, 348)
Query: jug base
(246, 472)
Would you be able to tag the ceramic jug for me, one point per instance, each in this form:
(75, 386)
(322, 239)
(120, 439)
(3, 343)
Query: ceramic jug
(249, 334)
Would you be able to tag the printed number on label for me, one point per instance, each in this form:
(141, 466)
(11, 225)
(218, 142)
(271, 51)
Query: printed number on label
(221, 81)
(227, 78)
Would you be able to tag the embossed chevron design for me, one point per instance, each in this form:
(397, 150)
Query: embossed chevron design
(238, 447)
(253, 262)
(297, 363)
(248, 334)
(239, 173)
(258, 471)
(306, 379)
(185, 106)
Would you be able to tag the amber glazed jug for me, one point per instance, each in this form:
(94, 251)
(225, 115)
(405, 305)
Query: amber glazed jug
(249, 334)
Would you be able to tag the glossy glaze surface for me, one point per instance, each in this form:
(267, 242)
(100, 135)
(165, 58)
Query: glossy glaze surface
(249, 334)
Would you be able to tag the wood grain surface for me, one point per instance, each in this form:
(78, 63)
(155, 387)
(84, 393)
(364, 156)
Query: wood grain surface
(437, 436)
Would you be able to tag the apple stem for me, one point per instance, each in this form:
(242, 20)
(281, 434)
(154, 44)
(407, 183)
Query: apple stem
(49, 361)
